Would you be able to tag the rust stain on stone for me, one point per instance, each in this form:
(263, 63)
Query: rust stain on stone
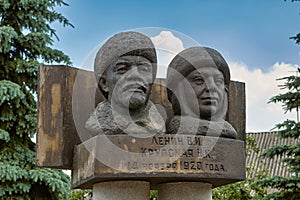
(56, 99)
(48, 145)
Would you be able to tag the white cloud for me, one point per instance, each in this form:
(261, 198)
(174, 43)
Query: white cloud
(167, 46)
(166, 40)
(260, 87)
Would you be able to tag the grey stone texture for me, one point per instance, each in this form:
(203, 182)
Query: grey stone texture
(185, 191)
(103, 121)
(124, 43)
(121, 190)
(194, 126)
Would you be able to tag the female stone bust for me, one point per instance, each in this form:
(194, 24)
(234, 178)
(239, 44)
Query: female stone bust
(197, 80)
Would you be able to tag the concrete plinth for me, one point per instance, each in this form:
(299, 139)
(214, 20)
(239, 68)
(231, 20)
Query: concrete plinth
(158, 159)
(121, 190)
(185, 191)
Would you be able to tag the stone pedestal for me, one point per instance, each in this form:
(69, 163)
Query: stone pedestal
(121, 190)
(158, 159)
(185, 191)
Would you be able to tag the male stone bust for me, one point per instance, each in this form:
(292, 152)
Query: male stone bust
(197, 80)
(125, 69)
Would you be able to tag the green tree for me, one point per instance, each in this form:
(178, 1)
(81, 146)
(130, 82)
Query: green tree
(247, 189)
(286, 187)
(297, 36)
(25, 41)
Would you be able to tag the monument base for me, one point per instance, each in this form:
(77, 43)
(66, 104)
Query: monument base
(158, 159)
(121, 190)
(185, 191)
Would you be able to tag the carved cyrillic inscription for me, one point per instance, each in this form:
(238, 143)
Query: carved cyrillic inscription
(178, 153)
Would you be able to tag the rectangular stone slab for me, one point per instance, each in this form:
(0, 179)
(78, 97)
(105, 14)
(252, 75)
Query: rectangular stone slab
(56, 129)
(56, 133)
(236, 114)
(159, 159)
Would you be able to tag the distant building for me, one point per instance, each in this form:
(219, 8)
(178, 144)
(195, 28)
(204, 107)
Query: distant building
(265, 140)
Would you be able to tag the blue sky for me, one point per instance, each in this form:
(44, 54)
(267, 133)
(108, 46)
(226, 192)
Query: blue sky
(250, 31)
(252, 35)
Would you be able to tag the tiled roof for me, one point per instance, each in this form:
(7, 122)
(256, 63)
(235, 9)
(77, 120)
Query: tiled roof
(264, 141)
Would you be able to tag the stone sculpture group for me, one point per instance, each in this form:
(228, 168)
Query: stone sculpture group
(197, 82)
(119, 131)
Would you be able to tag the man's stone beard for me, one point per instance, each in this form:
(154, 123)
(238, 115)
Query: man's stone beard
(133, 104)
(137, 100)
(137, 95)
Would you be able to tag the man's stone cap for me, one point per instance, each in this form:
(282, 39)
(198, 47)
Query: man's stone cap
(193, 58)
(124, 43)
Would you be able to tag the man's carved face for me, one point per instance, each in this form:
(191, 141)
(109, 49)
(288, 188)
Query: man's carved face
(207, 85)
(128, 81)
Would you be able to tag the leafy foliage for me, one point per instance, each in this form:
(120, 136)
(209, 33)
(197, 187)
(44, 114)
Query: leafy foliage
(25, 39)
(81, 194)
(290, 99)
(247, 189)
(153, 194)
(286, 187)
